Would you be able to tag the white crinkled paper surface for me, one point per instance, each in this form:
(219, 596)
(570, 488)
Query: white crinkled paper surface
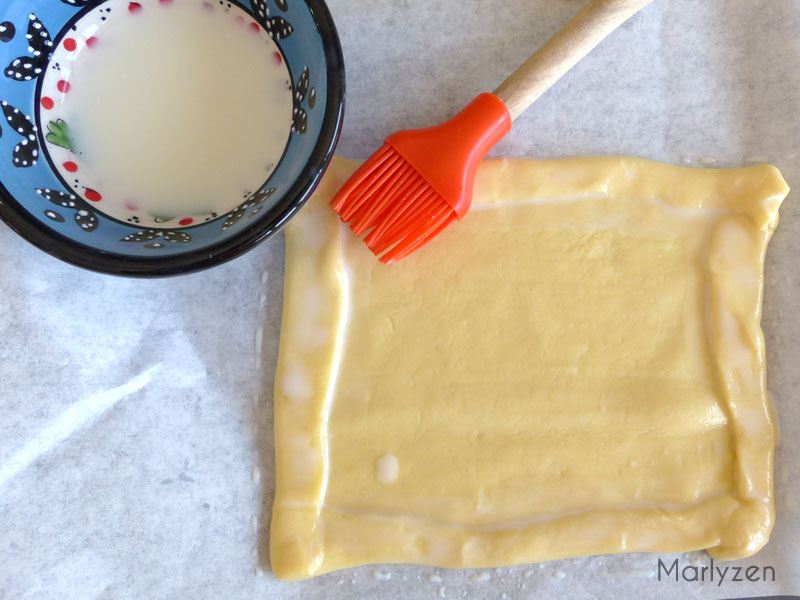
(136, 452)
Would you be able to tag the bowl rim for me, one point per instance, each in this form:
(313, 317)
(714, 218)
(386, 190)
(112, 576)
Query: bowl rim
(93, 259)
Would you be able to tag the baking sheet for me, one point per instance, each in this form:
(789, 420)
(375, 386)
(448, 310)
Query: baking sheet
(135, 416)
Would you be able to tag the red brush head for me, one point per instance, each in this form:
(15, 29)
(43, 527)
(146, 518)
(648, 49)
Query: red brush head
(389, 196)
(421, 180)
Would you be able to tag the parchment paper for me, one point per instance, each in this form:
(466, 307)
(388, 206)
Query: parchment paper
(136, 452)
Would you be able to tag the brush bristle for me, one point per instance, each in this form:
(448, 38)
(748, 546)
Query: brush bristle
(387, 199)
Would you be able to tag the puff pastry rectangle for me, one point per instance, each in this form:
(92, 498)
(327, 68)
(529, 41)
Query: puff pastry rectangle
(575, 368)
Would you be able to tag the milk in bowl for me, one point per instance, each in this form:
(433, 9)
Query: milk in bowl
(167, 113)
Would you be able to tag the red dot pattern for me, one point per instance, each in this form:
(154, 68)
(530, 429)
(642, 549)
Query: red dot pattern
(255, 27)
(63, 86)
(134, 7)
(47, 103)
(91, 41)
(187, 221)
(93, 196)
(70, 45)
(278, 57)
(70, 166)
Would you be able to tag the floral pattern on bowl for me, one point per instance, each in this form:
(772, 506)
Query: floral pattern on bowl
(65, 219)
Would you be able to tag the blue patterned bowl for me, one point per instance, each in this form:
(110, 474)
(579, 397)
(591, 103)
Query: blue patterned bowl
(66, 220)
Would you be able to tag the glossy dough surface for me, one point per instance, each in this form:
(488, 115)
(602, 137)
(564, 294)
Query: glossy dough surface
(575, 368)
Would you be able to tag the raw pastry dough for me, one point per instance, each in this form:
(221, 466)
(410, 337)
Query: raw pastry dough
(575, 368)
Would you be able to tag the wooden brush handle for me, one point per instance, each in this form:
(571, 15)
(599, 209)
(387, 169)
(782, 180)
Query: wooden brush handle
(574, 41)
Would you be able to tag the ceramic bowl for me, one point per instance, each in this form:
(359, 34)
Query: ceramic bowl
(42, 195)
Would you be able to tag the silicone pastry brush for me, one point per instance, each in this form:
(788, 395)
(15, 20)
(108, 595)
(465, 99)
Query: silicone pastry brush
(421, 180)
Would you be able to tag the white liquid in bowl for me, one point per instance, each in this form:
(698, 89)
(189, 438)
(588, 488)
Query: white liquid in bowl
(176, 109)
